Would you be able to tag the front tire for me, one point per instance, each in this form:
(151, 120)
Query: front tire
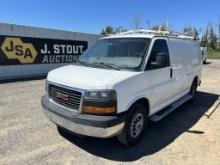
(134, 126)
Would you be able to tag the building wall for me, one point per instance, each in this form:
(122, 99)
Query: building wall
(28, 70)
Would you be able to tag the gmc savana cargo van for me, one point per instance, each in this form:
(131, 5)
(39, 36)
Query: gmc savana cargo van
(122, 82)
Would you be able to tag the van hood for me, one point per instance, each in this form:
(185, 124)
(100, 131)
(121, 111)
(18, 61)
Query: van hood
(87, 77)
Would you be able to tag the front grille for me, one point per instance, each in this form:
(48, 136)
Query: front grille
(66, 97)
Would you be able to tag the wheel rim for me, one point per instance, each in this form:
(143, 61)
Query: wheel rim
(137, 125)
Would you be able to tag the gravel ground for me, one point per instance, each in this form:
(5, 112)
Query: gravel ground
(190, 135)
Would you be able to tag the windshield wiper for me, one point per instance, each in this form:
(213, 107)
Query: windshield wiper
(108, 65)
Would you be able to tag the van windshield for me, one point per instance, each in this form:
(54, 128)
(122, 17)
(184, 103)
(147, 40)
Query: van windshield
(123, 53)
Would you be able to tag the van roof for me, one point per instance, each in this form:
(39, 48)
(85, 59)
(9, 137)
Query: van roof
(130, 36)
(141, 33)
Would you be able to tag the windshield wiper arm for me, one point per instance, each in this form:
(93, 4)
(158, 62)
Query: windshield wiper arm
(108, 65)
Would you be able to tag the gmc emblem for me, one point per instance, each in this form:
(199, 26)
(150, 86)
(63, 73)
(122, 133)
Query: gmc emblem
(62, 96)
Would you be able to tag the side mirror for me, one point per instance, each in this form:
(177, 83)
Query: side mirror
(161, 61)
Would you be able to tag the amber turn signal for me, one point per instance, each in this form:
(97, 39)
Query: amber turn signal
(98, 110)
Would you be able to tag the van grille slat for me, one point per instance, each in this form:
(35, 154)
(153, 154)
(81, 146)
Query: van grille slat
(66, 92)
(67, 102)
(70, 97)
(73, 97)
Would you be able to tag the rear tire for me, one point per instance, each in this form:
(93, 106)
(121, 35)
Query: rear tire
(134, 126)
(193, 91)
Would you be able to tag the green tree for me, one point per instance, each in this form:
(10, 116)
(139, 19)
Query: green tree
(110, 30)
(209, 38)
(159, 27)
(212, 37)
(120, 29)
(107, 30)
(191, 31)
(204, 40)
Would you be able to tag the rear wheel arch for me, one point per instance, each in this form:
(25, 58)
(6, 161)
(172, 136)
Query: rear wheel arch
(193, 89)
(196, 80)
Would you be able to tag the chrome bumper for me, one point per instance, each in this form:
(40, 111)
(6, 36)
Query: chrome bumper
(84, 129)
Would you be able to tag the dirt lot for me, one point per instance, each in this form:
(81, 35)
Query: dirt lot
(190, 135)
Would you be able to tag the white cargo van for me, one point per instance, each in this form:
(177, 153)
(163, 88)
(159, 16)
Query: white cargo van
(122, 82)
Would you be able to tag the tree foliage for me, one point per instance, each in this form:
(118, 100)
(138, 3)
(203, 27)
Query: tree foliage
(191, 31)
(209, 38)
(110, 30)
(159, 27)
(212, 37)
(107, 30)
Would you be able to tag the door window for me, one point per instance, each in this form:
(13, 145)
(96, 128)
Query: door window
(159, 57)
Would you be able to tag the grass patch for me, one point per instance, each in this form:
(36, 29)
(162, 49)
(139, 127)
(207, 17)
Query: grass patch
(214, 54)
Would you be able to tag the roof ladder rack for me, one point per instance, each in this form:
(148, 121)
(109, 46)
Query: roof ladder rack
(159, 33)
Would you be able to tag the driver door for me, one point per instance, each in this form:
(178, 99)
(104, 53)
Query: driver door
(160, 76)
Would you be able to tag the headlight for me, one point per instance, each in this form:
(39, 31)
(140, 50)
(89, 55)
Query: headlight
(100, 102)
(105, 94)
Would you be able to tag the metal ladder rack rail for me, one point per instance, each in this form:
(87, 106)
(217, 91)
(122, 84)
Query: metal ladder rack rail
(163, 33)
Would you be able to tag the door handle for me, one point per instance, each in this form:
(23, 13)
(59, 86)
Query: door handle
(171, 72)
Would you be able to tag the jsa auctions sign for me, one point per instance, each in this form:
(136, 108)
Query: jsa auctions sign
(26, 50)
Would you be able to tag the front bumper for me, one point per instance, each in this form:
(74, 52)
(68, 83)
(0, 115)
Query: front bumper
(84, 124)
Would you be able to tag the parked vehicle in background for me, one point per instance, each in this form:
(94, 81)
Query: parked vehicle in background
(204, 54)
(122, 82)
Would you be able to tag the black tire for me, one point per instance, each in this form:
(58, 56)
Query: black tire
(128, 136)
(62, 131)
(193, 90)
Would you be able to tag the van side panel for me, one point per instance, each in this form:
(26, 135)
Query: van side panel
(186, 62)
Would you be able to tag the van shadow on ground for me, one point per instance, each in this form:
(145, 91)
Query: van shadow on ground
(157, 136)
(207, 63)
